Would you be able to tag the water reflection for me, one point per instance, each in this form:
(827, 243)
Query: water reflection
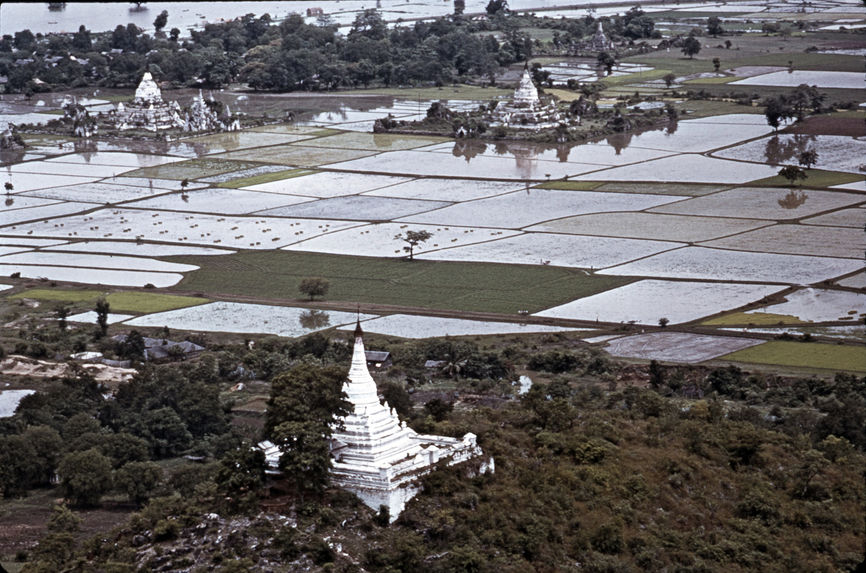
(793, 199)
(782, 150)
(314, 319)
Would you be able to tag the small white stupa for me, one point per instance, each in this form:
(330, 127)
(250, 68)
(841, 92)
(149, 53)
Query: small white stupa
(376, 456)
(526, 110)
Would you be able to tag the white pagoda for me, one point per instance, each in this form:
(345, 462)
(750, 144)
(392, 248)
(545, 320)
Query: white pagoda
(148, 110)
(376, 456)
(526, 110)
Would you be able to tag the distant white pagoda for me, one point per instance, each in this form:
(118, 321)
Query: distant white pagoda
(376, 456)
(526, 110)
(599, 42)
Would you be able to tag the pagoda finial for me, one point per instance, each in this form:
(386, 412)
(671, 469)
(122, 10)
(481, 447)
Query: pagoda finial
(358, 330)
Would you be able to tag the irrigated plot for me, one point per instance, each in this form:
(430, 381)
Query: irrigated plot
(798, 240)
(649, 226)
(556, 250)
(248, 319)
(218, 200)
(95, 193)
(841, 218)
(704, 134)
(231, 141)
(355, 208)
(69, 169)
(328, 184)
(835, 152)
(373, 141)
(822, 79)
(159, 184)
(119, 159)
(647, 301)
(410, 326)
(29, 242)
(688, 168)
(820, 305)
(246, 174)
(445, 189)
(854, 281)
(90, 317)
(718, 264)
(8, 250)
(297, 155)
(139, 248)
(194, 168)
(423, 163)
(22, 202)
(377, 240)
(804, 354)
(96, 261)
(40, 214)
(286, 129)
(179, 227)
(677, 346)
(523, 208)
(94, 276)
(29, 181)
(762, 203)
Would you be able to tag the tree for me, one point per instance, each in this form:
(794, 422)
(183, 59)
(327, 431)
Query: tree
(717, 63)
(314, 286)
(663, 322)
(306, 404)
(102, 310)
(494, 7)
(161, 21)
(138, 480)
(776, 111)
(85, 476)
(691, 47)
(184, 184)
(9, 187)
(669, 79)
(412, 240)
(606, 61)
(793, 173)
(808, 158)
(459, 7)
(62, 313)
(714, 26)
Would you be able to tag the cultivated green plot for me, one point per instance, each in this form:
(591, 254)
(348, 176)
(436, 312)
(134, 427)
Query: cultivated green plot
(138, 302)
(264, 178)
(814, 178)
(374, 141)
(290, 129)
(194, 168)
(427, 284)
(804, 355)
(570, 185)
(756, 318)
(677, 189)
(297, 155)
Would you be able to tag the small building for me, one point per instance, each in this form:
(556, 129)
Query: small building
(378, 359)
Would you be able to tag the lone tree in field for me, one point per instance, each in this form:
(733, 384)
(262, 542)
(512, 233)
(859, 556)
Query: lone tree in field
(669, 79)
(9, 187)
(808, 158)
(714, 26)
(691, 47)
(314, 286)
(412, 240)
(102, 309)
(793, 173)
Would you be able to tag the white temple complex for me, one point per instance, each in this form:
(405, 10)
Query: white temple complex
(526, 110)
(376, 456)
(148, 110)
(599, 42)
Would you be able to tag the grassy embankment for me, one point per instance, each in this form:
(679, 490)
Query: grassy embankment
(137, 302)
(482, 287)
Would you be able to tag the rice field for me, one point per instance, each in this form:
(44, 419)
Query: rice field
(647, 301)
(373, 141)
(798, 240)
(245, 318)
(328, 184)
(843, 218)
(835, 152)
(686, 168)
(454, 190)
(354, 208)
(820, 305)
(822, 79)
(116, 159)
(832, 357)
(96, 261)
(296, 155)
(414, 326)
(218, 201)
(93, 276)
(678, 346)
(140, 249)
(97, 192)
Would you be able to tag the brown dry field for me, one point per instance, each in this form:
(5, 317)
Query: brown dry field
(829, 125)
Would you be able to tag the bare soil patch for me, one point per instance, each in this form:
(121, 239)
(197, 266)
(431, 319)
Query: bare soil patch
(829, 125)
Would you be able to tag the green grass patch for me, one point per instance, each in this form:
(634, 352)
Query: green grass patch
(716, 80)
(693, 109)
(804, 354)
(264, 178)
(571, 185)
(637, 77)
(815, 178)
(756, 318)
(427, 284)
(123, 301)
(70, 296)
(192, 169)
(147, 302)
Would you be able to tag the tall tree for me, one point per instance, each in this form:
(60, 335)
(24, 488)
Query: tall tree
(305, 406)
(102, 310)
(161, 21)
(85, 476)
(412, 240)
(691, 47)
(314, 286)
(714, 26)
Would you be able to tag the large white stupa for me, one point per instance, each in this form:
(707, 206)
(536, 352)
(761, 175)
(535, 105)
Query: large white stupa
(376, 456)
(148, 110)
(526, 110)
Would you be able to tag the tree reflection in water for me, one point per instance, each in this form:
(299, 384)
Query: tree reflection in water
(793, 199)
(780, 150)
(314, 319)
